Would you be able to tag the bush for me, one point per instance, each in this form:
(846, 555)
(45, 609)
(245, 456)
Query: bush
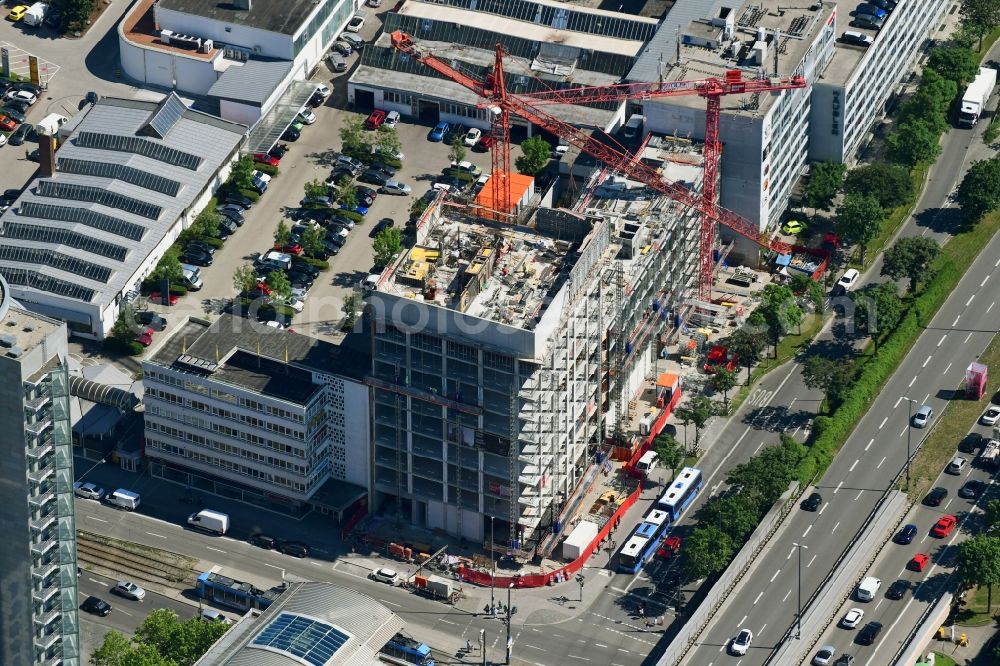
(214, 242)
(252, 195)
(460, 174)
(268, 169)
(357, 218)
(124, 346)
(390, 161)
(178, 290)
(316, 263)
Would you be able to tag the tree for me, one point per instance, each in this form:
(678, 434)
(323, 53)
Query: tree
(913, 142)
(956, 63)
(979, 563)
(698, 411)
(991, 515)
(207, 224)
(706, 552)
(748, 344)
(312, 241)
(859, 219)
(723, 380)
(115, 650)
(735, 515)
(386, 244)
(832, 376)
(979, 17)
(315, 189)
(181, 643)
(281, 288)
(282, 235)
(347, 193)
(767, 475)
(457, 151)
(777, 313)
(352, 303)
(244, 278)
(979, 191)
(930, 103)
(169, 267)
(912, 258)
(877, 309)
(74, 12)
(803, 285)
(669, 451)
(889, 183)
(353, 138)
(417, 208)
(387, 141)
(535, 154)
(241, 174)
(825, 179)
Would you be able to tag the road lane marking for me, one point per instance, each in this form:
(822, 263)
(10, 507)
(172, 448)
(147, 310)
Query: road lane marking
(573, 656)
(991, 306)
(880, 462)
(853, 465)
(926, 361)
(762, 629)
(860, 493)
(946, 369)
(786, 596)
(884, 419)
(985, 280)
(218, 550)
(903, 431)
(870, 442)
(758, 598)
(535, 648)
(807, 531)
(898, 400)
(968, 336)
(316, 564)
(823, 509)
(597, 644)
(390, 603)
(811, 561)
(447, 621)
(740, 623)
(835, 527)
(912, 381)
(837, 489)
(158, 536)
(970, 300)
(955, 323)
(929, 395)
(273, 566)
(942, 339)
(775, 575)
(790, 553)
(100, 520)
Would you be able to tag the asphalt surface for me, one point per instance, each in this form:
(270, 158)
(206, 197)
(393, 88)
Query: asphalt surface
(876, 451)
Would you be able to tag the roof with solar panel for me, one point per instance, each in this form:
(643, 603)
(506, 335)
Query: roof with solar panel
(124, 177)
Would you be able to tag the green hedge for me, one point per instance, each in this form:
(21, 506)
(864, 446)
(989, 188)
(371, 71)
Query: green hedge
(214, 242)
(267, 168)
(124, 346)
(316, 263)
(357, 218)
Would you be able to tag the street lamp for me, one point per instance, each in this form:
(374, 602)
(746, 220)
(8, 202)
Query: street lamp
(798, 616)
(509, 612)
(493, 564)
(579, 579)
(909, 429)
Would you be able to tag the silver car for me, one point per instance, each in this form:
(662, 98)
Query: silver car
(825, 656)
(88, 491)
(337, 62)
(395, 187)
(129, 590)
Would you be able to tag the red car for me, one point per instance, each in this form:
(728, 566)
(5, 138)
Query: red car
(919, 562)
(375, 120)
(291, 248)
(265, 158)
(157, 297)
(6, 124)
(484, 144)
(943, 527)
(146, 338)
(671, 546)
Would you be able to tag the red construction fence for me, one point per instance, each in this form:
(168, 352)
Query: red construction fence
(559, 575)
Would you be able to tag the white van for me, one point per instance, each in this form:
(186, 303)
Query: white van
(210, 521)
(192, 277)
(868, 588)
(391, 119)
(282, 259)
(647, 463)
(126, 499)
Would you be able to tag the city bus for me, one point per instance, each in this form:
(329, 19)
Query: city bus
(639, 548)
(682, 491)
(404, 650)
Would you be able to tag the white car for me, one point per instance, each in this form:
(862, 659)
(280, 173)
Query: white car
(468, 167)
(212, 615)
(261, 176)
(990, 416)
(21, 96)
(295, 304)
(3, 139)
(848, 279)
(88, 491)
(742, 642)
(472, 137)
(384, 575)
(852, 619)
(957, 465)
(355, 24)
(374, 3)
(129, 590)
(307, 116)
(322, 90)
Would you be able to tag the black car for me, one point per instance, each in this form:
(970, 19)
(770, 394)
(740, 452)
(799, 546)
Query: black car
(263, 541)
(812, 502)
(300, 279)
(92, 98)
(898, 589)
(331, 248)
(9, 196)
(240, 200)
(278, 151)
(373, 177)
(28, 87)
(338, 175)
(151, 319)
(293, 548)
(971, 489)
(936, 496)
(196, 257)
(18, 105)
(298, 264)
(227, 226)
(291, 134)
(96, 606)
(21, 134)
(234, 215)
(201, 246)
(453, 184)
(366, 191)
(13, 114)
(905, 536)
(316, 100)
(384, 223)
(383, 167)
(868, 635)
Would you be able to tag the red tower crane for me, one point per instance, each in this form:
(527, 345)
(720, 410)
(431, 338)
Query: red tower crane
(502, 104)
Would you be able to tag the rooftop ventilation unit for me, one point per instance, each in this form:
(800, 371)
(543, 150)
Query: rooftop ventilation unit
(15, 352)
(7, 341)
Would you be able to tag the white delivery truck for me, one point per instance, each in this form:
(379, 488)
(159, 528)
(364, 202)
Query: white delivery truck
(582, 536)
(210, 521)
(125, 499)
(36, 14)
(975, 97)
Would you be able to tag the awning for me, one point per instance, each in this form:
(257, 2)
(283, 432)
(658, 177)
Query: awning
(273, 124)
(337, 495)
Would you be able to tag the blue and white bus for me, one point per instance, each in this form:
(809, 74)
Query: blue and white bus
(642, 544)
(405, 650)
(682, 491)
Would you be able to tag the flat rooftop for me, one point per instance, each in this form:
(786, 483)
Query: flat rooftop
(139, 27)
(847, 57)
(706, 49)
(285, 17)
(24, 330)
(510, 274)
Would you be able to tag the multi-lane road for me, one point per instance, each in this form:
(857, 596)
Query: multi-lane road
(877, 449)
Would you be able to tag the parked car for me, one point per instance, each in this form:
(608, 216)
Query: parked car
(54, 20)
(291, 134)
(293, 548)
(265, 158)
(378, 165)
(374, 177)
(129, 590)
(472, 137)
(342, 48)
(263, 541)
(278, 151)
(438, 132)
(355, 40)
(14, 114)
(231, 210)
(348, 162)
(846, 282)
(212, 615)
(392, 119)
(17, 13)
(943, 527)
(196, 257)
(375, 119)
(384, 575)
(238, 199)
(384, 223)
(337, 62)
(355, 24)
(306, 116)
(151, 319)
(88, 491)
(22, 96)
(905, 536)
(793, 227)
(96, 606)
(17, 104)
(145, 338)
(484, 144)
(7, 124)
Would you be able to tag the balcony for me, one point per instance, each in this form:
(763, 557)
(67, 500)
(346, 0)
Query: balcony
(41, 475)
(39, 501)
(38, 403)
(46, 641)
(47, 618)
(42, 596)
(40, 549)
(44, 522)
(38, 453)
(38, 427)
(45, 571)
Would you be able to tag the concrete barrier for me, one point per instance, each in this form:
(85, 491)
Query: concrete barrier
(923, 633)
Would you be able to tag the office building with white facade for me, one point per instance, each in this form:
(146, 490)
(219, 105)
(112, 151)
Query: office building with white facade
(38, 567)
(764, 136)
(260, 415)
(127, 178)
(852, 95)
(505, 357)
